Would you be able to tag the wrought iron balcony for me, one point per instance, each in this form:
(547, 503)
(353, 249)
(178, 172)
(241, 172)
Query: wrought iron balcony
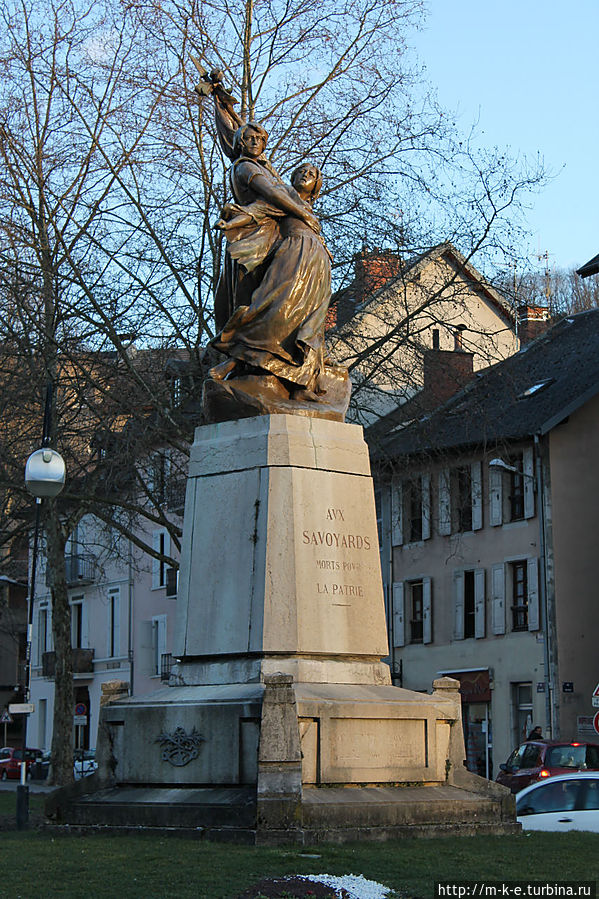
(81, 570)
(82, 660)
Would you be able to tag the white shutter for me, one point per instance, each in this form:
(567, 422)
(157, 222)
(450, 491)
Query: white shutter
(495, 496)
(444, 502)
(479, 603)
(426, 506)
(458, 605)
(399, 630)
(529, 483)
(427, 629)
(477, 495)
(84, 625)
(532, 574)
(396, 513)
(498, 599)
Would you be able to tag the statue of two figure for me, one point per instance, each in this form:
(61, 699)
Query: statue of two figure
(275, 288)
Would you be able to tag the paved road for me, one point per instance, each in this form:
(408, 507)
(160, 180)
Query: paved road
(35, 786)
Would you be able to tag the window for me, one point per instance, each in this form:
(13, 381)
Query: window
(511, 493)
(42, 633)
(114, 623)
(161, 544)
(410, 510)
(158, 474)
(522, 711)
(469, 604)
(412, 603)
(551, 796)
(413, 508)
(460, 499)
(519, 596)
(77, 636)
(519, 580)
(417, 610)
(158, 642)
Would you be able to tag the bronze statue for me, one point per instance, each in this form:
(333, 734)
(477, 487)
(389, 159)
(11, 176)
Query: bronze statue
(275, 289)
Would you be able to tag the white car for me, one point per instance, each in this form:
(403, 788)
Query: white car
(84, 763)
(563, 802)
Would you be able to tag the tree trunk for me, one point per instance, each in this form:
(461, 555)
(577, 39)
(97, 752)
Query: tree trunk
(61, 770)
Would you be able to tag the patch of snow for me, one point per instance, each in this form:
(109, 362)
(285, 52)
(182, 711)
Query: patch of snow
(356, 885)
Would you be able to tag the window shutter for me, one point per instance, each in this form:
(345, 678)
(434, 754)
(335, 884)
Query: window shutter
(157, 567)
(529, 484)
(427, 621)
(444, 502)
(396, 513)
(84, 625)
(533, 594)
(495, 496)
(498, 599)
(399, 631)
(458, 605)
(426, 506)
(477, 496)
(479, 603)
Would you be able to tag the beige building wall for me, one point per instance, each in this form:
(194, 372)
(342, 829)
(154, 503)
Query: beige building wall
(387, 338)
(574, 457)
(512, 658)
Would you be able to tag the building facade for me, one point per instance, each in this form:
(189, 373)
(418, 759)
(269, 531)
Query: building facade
(487, 513)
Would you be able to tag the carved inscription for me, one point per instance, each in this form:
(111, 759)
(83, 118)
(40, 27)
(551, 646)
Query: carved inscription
(333, 573)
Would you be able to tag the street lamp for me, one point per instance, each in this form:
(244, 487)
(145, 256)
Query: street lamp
(44, 478)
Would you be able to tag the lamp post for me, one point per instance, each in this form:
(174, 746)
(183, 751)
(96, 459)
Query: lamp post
(538, 479)
(44, 478)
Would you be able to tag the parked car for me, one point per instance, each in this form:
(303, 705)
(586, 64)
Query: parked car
(85, 763)
(562, 802)
(538, 759)
(10, 762)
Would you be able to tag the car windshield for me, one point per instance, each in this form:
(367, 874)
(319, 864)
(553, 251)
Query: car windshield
(572, 757)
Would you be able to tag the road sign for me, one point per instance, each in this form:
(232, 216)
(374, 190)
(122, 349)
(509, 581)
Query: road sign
(596, 722)
(595, 701)
(5, 718)
(21, 708)
(596, 692)
(81, 708)
(80, 719)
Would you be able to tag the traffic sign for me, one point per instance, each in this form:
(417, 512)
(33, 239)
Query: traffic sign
(5, 718)
(21, 708)
(80, 719)
(596, 691)
(596, 722)
(595, 701)
(81, 708)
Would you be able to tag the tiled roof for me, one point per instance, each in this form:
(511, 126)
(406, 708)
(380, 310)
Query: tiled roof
(528, 393)
(589, 268)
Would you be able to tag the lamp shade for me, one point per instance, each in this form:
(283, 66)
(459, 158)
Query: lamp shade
(45, 473)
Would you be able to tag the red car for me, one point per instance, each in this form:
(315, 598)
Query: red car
(537, 759)
(10, 761)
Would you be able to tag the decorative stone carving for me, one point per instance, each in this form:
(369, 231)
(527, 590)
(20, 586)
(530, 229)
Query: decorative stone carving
(180, 748)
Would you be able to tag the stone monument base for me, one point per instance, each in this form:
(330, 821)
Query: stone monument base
(280, 722)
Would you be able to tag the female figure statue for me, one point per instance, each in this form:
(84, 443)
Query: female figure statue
(273, 234)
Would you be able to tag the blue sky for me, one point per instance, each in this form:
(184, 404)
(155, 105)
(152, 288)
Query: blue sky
(528, 71)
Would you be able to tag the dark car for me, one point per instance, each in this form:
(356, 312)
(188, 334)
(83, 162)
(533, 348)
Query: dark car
(537, 759)
(10, 762)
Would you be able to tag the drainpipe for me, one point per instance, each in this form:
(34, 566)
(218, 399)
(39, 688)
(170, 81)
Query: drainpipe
(130, 620)
(549, 684)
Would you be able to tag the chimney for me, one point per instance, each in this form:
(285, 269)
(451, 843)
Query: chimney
(532, 321)
(373, 269)
(445, 372)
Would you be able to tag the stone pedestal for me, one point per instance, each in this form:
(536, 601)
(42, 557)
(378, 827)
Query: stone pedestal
(280, 690)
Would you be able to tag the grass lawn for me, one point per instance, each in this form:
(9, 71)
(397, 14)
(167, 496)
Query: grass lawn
(45, 864)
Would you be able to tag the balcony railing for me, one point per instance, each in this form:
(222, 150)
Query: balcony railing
(82, 660)
(166, 663)
(81, 569)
